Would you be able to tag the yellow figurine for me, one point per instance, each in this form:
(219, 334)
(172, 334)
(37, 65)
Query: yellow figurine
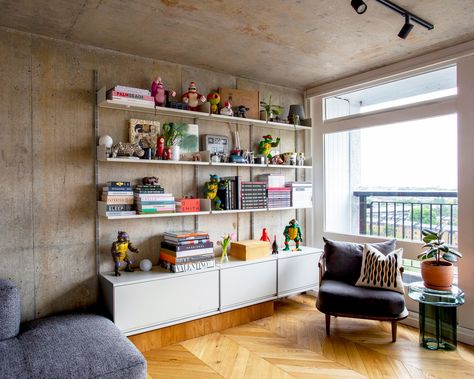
(119, 252)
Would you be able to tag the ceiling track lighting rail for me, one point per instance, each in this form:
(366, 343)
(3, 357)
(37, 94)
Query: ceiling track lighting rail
(404, 12)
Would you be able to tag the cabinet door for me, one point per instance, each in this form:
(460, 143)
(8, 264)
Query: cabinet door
(297, 273)
(247, 284)
(151, 303)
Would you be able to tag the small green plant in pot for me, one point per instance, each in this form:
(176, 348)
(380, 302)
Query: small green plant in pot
(437, 273)
(176, 136)
(271, 110)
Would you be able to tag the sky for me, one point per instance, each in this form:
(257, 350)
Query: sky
(417, 154)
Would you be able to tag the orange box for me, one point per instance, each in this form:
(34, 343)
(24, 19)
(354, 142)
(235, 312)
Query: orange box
(188, 205)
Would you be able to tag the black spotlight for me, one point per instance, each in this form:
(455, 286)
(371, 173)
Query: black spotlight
(406, 28)
(359, 6)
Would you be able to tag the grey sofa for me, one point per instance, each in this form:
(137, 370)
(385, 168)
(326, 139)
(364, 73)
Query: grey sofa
(340, 267)
(65, 346)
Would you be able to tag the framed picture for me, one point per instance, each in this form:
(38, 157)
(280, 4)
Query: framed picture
(215, 144)
(144, 132)
(190, 141)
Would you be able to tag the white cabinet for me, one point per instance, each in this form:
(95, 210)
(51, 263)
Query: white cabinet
(297, 273)
(247, 283)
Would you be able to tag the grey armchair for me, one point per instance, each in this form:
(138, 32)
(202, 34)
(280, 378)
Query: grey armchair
(339, 269)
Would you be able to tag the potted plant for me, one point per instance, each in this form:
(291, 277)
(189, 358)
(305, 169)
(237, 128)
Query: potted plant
(270, 110)
(175, 134)
(437, 273)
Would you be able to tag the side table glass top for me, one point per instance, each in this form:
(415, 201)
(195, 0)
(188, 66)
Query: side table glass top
(450, 298)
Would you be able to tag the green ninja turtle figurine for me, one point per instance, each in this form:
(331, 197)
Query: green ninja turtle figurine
(292, 233)
(210, 191)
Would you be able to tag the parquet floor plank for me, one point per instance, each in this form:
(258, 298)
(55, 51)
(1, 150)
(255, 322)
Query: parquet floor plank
(293, 344)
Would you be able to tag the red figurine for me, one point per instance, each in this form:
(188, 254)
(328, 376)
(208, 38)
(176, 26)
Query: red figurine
(192, 97)
(265, 236)
(160, 148)
(159, 93)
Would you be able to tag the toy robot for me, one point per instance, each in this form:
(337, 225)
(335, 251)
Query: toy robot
(210, 191)
(214, 99)
(265, 146)
(192, 98)
(159, 93)
(292, 232)
(119, 252)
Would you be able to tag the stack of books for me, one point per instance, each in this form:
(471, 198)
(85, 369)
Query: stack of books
(184, 251)
(130, 95)
(150, 199)
(279, 197)
(117, 199)
(301, 194)
(253, 195)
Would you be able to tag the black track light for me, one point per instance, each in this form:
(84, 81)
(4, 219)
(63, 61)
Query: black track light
(406, 28)
(359, 6)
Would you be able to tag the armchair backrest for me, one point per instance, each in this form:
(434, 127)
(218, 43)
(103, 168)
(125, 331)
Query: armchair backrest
(10, 311)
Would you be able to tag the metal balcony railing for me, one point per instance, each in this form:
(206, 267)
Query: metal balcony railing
(387, 213)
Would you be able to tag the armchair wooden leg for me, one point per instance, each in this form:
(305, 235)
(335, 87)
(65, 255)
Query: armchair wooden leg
(328, 324)
(394, 331)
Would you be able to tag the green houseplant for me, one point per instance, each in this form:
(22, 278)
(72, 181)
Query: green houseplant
(437, 273)
(271, 110)
(176, 135)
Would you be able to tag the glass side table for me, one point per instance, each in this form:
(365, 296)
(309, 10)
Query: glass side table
(438, 316)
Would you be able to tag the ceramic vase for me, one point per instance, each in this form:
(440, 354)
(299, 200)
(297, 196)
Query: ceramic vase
(175, 153)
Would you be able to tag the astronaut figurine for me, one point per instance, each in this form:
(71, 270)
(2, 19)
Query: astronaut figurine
(119, 252)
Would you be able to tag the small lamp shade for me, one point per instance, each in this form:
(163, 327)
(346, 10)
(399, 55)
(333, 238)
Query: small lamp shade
(296, 109)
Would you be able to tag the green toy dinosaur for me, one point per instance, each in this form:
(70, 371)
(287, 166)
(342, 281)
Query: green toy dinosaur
(292, 232)
(265, 146)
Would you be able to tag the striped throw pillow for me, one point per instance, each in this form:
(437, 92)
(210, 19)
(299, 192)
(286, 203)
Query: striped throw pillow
(381, 271)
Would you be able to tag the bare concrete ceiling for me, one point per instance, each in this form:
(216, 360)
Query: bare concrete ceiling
(292, 43)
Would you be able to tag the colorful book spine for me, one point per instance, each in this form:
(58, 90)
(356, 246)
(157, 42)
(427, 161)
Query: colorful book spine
(118, 184)
(186, 242)
(138, 91)
(124, 213)
(117, 199)
(186, 267)
(175, 260)
(187, 253)
(128, 95)
(188, 247)
(116, 207)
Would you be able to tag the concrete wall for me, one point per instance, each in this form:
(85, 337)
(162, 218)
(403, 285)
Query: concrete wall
(47, 151)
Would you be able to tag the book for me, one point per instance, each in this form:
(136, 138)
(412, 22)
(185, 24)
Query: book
(118, 184)
(116, 193)
(138, 91)
(117, 189)
(123, 213)
(187, 242)
(236, 186)
(176, 260)
(173, 247)
(117, 199)
(186, 234)
(190, 266)
(126, 95)
(103, 206)
(132, 101)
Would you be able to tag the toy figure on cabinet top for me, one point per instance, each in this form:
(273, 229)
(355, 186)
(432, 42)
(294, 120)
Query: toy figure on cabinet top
(265, 146)
(159, 92)
(227, 110)
(292, 232)
(119, 252)
(214, 99)
(192, 97)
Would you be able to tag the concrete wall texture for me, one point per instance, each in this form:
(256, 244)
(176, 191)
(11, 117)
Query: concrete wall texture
(46, 116)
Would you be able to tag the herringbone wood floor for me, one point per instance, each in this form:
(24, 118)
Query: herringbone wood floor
(292, 344)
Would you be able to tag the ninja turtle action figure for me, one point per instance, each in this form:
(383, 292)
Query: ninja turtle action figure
(292, 233)
(210, 190)
(265, 146)
(119, 252)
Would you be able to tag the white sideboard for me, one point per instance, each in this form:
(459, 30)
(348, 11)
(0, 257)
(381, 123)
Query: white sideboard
(142, 301)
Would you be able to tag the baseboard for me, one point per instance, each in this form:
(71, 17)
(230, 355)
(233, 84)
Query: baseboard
(196, 328)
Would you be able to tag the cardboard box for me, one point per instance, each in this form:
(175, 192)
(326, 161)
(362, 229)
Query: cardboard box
(188, 205)
(250, 249)
(250, 99)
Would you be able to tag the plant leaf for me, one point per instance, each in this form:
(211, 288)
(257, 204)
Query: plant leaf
(450, 257)
(429, 238)
(455, 252)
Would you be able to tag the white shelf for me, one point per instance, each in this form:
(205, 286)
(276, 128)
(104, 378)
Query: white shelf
(102, 102)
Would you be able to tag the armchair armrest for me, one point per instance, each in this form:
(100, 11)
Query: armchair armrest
(9, 309)
(322, 266)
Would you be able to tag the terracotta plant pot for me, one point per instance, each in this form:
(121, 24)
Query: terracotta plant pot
(437, 276)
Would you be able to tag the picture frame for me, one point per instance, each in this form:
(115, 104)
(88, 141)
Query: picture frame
(144, 132)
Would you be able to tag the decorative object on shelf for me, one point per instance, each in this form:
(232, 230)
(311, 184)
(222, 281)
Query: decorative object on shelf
(247, 98)
(210, 191)
(296, 114)
(145, 133)
(127, 149)
(119, 252)
(159, 93)
(300, 159)
(106, 141)
(265, 146)
(150, 181)
(227, 110)
(216, 144)
(224, 243)
(189, 143)
(241, 111)
(145, 265)
(271, 110)
(188, 204)
(275, 245)
(214, 99)
(289, 158)
(265, 236)
(160, 148)
(192, 98)
(250, 249)
(276, 160)
(437, 274)
(292, 232)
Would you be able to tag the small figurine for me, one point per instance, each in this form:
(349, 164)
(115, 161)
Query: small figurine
(119, 252)
(210, 191)
(160, 147)
(240, 111)
(150, 181)
(159, 93)
(265, 236)
(292, 232)
(214, 99)
(275, 246)
(192, 97)
(300, 159)
(227, 110)
(125, 148)
(265, 146)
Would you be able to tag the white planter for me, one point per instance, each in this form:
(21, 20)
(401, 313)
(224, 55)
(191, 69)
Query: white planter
(175, 153)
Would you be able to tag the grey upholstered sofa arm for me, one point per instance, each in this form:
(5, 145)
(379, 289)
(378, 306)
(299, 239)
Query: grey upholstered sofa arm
(9, 309)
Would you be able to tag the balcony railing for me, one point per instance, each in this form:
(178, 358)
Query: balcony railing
(386, 213)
